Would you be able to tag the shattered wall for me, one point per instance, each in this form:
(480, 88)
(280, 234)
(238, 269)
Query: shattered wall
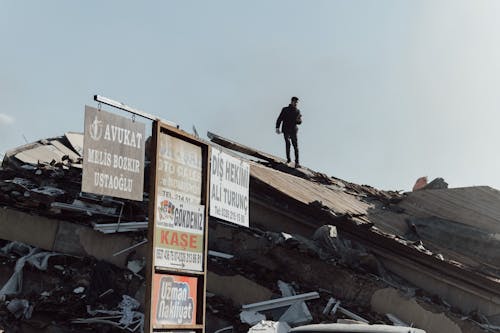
(65, 237)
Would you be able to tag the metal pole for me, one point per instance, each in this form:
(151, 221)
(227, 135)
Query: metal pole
(130, 248)
(124, 107)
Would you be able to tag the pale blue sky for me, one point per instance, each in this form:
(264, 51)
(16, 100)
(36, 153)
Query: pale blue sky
(390, 90)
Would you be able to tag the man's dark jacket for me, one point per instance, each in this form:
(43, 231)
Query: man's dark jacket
(290, 117)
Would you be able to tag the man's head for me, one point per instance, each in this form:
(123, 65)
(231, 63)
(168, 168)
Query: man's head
(294, 101)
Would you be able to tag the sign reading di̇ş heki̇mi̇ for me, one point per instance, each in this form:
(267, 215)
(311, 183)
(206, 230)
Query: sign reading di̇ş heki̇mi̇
(174, 300)
(178, 240)
(113, 158)
(229, 188)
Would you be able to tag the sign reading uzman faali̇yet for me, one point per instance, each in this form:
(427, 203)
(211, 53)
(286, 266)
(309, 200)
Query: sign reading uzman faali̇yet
(113, 158)
(179, 217)
(229, 188)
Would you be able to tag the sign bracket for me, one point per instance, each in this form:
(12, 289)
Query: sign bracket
(124, 107)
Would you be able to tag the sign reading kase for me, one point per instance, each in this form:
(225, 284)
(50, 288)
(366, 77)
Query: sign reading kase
(178, 238)
(113, 157)
(174, 300)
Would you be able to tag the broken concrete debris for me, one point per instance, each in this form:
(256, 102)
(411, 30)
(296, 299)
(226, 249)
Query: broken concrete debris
(125, 318)
(279, 302)
(352, 328)
(137, 265)
(45, 177)
(267, 326)
(364, 252)
(64, 292)
(251, 317)
(30, 255)
(334, 305)
(293, 309)
(436, 184)
(20, 308)
(350, 287)
(396, 321)
(420, 183)
(298, 313)
(79, 290)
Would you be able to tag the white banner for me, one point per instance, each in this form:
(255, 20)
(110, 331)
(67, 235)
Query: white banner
(229, 188)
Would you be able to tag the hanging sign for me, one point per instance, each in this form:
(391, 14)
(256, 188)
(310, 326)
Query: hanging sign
(113, 157)
(178, 209)
(179, 217)
(229, 188)
(174, 300)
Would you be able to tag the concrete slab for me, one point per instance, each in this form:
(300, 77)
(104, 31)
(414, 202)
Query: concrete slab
(103, 246)
(465, 298)
(237, 288)
(30, 229)
(409, 310)
(82, 240)
(68, 239)
(65, 237)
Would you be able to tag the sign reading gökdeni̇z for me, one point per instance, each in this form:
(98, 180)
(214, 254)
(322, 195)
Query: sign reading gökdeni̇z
(113, 158)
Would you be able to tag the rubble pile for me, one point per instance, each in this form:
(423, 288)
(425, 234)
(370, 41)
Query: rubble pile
(341, 271)
(337, 273)
(52, 292)
(335, 268)
(49, 184)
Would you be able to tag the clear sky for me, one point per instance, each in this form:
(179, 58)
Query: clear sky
(390, 90)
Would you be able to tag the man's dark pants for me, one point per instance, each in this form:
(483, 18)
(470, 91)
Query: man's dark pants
(291, 137)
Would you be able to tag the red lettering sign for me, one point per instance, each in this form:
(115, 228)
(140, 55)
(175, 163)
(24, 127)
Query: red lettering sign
(177, 238)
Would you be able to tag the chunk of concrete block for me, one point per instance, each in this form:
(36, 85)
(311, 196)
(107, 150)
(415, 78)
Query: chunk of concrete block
(82, 240)
(29, 229)
(407, 309)
(237, 288)
(297, 314)
(251, 317)
(270, 327)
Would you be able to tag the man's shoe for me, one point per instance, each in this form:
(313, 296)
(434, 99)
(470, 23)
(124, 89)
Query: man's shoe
(297, 165)
(288, 161)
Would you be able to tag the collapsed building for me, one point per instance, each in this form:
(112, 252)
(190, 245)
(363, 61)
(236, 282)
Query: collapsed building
(319, 249)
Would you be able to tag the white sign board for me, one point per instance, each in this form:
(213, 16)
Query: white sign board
(179, 170)
(229, 188)
(179, 217)
(179, 234)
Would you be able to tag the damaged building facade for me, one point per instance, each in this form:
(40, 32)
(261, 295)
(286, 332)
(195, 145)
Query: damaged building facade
(317, 249)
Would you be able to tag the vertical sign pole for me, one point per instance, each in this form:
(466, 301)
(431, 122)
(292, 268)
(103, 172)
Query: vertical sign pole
(205, 195)
(153, 149)
(176, 156)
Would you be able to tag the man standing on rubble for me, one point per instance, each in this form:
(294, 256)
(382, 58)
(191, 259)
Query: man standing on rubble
(291, 117)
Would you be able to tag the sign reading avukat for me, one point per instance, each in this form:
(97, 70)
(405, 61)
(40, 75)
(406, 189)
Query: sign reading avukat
(113, 157)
